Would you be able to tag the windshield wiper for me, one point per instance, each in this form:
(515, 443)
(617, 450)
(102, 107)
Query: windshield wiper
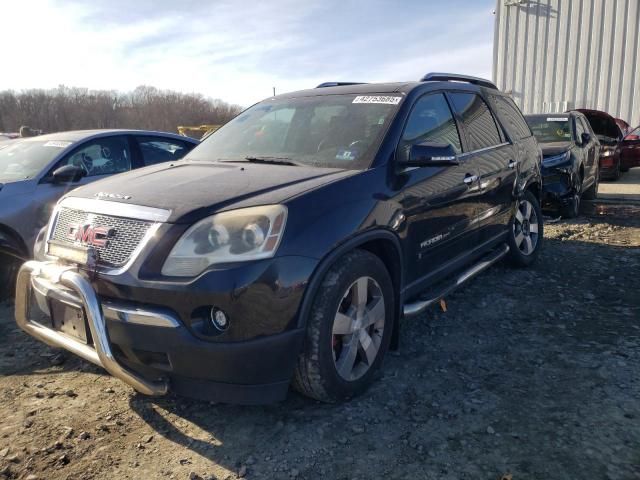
(273, 160)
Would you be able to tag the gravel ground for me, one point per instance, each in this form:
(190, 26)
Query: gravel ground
(528, 375)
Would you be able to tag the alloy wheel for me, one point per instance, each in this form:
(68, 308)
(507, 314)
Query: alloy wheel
(358, 328)
(525, 228)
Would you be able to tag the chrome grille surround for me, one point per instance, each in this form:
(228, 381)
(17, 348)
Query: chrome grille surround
(134, 226)
(128, 234)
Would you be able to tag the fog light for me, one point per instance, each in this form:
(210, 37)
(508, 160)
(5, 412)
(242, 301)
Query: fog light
(219, 319)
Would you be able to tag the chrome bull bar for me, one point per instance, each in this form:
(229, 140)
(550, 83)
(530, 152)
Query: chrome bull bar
(100, 353)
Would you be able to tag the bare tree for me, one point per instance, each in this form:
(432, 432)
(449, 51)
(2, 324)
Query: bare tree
(73, 108)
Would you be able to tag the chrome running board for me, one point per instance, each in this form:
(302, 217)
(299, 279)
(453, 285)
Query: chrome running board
(421, 305)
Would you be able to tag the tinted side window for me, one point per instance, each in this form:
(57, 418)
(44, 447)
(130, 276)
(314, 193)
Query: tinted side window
(480, 126)
(102, 156)
(512, 118)
(430, 120)
(159, 149)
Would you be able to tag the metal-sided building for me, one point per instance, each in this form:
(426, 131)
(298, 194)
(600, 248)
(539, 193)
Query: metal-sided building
(555, 55)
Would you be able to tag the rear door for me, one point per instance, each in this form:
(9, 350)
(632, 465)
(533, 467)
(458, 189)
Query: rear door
(495, 160)
(439, 202)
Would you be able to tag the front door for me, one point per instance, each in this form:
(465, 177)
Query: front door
(438, 201)
(591, 152)
(99, 158)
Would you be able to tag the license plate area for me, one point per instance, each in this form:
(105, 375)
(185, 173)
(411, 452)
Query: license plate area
(69, 319)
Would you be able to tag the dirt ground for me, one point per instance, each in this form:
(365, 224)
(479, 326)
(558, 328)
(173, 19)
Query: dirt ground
(529, 373)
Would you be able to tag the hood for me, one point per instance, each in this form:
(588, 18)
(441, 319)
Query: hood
(192, 190)
(552, 149)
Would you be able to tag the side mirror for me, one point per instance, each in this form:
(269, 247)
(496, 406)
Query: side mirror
(632, 138)
(585, 138)
(431, 154)
(67, 173)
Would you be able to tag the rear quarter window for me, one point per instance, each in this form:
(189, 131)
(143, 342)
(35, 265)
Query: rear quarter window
(511, 118)
(482, 131)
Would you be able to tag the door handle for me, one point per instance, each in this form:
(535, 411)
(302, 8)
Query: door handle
(512, 163)
(469, 179)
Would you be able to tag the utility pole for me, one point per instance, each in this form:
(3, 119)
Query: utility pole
(274, 91)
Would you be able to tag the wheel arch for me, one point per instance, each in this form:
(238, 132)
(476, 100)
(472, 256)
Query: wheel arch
(12, 243)
(382, 243)
(535, 187)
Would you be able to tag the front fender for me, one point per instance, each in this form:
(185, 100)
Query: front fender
(330, 259)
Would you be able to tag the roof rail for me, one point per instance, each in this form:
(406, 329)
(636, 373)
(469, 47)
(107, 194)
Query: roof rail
(454, 77)
(338, 84)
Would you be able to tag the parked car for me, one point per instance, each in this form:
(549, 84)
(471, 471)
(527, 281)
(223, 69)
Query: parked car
(629, 151)
(36, 172)
(289, 244)
(570, 153)
(609, 135)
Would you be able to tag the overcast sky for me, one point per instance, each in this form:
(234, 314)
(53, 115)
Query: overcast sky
(239, 50)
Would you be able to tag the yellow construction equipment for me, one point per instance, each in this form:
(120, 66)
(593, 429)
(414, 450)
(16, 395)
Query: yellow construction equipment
(205, 130)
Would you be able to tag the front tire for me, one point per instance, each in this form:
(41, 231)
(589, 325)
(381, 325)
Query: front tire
(591, 193)
(9, 266)
(616, 174)
(526, 232)
(572, 209)
(348, 330)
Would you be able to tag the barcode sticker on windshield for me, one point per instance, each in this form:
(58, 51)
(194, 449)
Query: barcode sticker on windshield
(57, 144)
(557, 119)
(377, 99)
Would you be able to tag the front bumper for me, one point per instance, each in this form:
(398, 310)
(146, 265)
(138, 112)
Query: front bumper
(557, 187)
(149, 348)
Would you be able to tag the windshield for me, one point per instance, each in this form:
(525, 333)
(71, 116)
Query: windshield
(550, 129)
(340, 131)
(23, 159)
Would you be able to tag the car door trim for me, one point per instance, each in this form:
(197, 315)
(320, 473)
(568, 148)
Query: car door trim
(485, 149)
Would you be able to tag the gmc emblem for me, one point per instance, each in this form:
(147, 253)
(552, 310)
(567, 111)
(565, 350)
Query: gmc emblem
(90, 235)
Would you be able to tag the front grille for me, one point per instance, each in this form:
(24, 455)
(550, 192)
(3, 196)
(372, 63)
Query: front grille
(127, 234)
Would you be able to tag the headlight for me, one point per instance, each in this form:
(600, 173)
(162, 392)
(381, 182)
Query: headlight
(234, 236)
(607, 152)
(556, 159)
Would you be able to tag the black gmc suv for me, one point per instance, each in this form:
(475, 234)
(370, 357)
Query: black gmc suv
(288, 245)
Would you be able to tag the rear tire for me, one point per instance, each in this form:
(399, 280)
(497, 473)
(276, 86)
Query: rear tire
(348, 329)
(526, 232)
